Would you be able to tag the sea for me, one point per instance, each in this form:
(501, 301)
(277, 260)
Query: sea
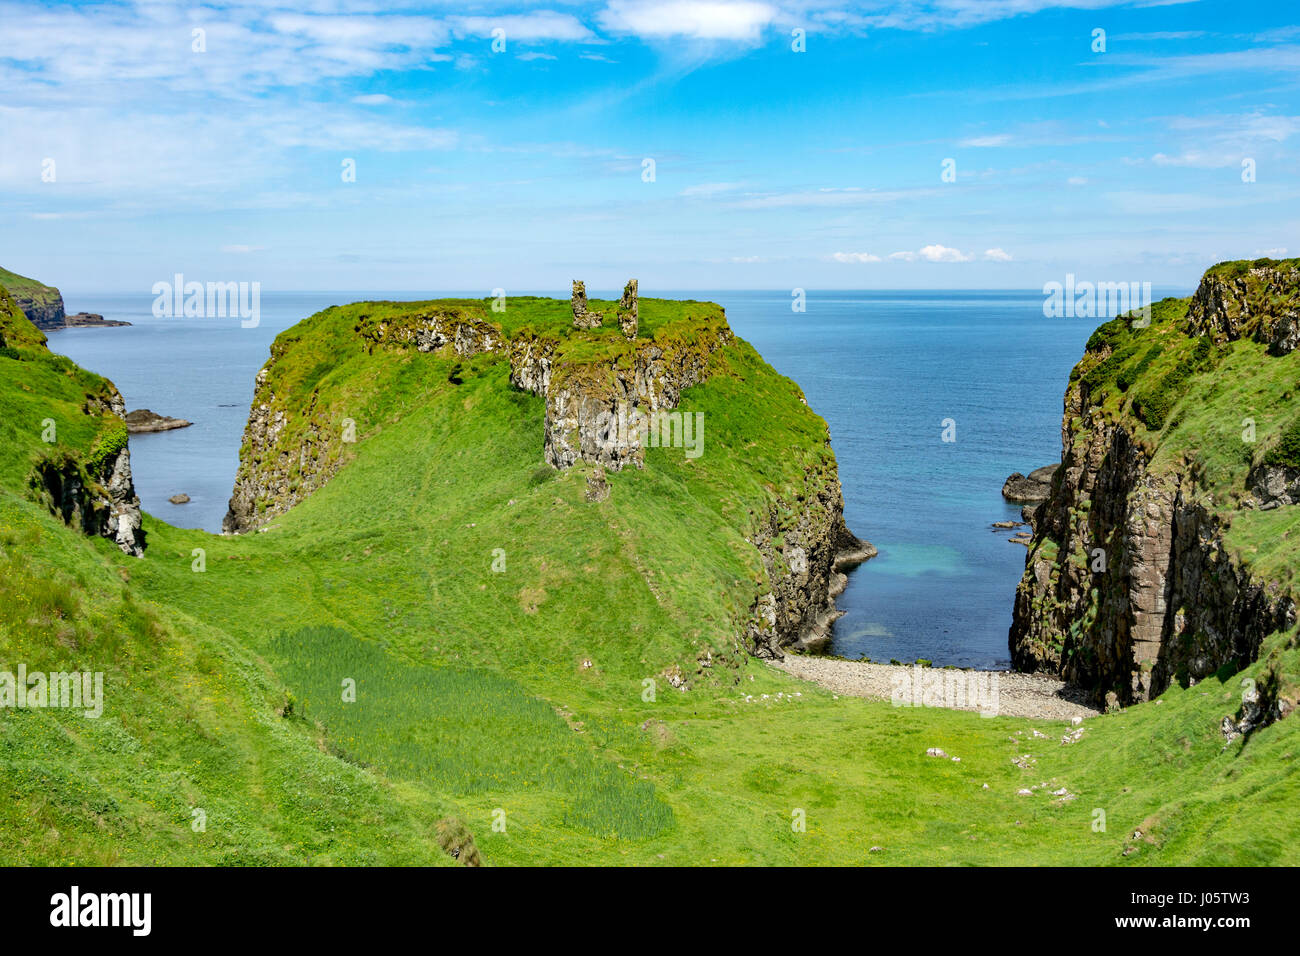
(933, 399)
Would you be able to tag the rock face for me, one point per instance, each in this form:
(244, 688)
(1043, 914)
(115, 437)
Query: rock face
(1274, 485)
(142, 421)
(99, 498)
(806, 568)
(1036, 486)
(596, 412)
(1260, 301)
(1128, 585)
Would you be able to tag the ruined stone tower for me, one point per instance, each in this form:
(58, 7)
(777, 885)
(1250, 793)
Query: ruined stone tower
(582, 318)
(627, 311)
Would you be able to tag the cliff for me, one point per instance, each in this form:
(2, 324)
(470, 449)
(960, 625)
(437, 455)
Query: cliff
(609, 397)
(42, 304)
(67, 435)
(1155, 558)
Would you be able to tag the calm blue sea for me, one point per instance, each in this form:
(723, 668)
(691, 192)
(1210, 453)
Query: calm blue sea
(885, 369)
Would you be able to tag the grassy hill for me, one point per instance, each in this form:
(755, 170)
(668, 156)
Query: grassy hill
(41, 303)
(338, 686)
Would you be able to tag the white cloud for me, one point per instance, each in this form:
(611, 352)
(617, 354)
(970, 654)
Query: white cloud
(697, 19)
(240, 249)
(933, 253)
(1077, 181)
(533, 55)
(1278, 253)
(372, 99)
(1000, 139)
(937, 253)
(854, 257)
(997, 255)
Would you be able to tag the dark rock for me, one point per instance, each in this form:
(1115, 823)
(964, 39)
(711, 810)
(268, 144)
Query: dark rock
(1035, 486)
(91, 320)
(181, 499)
(143, 421)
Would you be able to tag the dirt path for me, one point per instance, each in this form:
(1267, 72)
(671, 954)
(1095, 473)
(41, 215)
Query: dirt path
(1016, 695)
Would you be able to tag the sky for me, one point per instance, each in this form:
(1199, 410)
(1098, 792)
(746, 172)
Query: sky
(727, 144)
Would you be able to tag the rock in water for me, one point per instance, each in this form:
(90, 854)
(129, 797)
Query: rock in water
(181, 499)
(92, 320)
(142, 420)
(1036, 486)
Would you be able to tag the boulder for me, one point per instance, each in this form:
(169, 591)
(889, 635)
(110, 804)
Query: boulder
(1036, 486)
(142, 420)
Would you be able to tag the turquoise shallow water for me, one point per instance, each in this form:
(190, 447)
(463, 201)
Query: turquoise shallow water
(885, 369)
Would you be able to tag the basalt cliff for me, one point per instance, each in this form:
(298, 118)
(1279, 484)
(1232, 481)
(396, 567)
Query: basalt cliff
(612, 395)
(1162, 552)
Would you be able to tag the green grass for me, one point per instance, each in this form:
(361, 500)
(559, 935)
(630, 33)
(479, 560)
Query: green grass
(519, 698)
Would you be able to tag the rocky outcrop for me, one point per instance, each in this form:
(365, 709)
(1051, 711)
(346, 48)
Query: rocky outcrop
(466, 334)
(806, 549)
(97, 494)
(1036, 486)
(607, 411)
(1128, 585)
(43, 305)
(1274, 485)
(1259, 300)
(143, 421)
(272, 479)
(595, 389)
(92, 320)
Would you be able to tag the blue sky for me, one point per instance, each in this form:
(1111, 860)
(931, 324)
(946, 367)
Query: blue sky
(524, 167)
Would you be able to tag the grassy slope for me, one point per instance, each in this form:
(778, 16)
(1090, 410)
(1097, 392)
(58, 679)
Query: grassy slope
(472, 692)
(23, 287)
